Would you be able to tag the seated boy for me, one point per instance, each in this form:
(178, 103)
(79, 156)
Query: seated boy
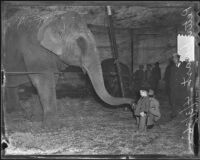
(141, 110)
(154, 111)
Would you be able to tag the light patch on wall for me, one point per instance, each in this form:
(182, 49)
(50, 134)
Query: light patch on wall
(185, 47)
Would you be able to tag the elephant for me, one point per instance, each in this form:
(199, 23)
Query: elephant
(36, 48)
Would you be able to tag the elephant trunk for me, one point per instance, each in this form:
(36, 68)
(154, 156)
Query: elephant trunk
(92, 64)
(95, 73)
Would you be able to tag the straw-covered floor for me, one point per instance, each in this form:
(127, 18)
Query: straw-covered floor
(85, 126)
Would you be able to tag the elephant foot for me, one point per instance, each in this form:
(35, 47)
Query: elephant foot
(50, 122)
(36, 118)
(51, 125)
(14, 110)
(10, 111)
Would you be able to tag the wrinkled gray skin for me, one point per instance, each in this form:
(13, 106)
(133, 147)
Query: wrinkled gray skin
(38, 49)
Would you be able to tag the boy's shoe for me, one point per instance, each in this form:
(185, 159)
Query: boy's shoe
(150, 126)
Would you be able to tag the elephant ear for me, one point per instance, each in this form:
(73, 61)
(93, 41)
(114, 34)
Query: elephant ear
(51, 41)
(82, 45)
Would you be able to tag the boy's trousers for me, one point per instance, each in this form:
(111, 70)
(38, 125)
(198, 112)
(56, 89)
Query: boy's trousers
(141, 122)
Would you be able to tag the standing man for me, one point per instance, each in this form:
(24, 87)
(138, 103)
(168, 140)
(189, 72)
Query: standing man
(148, 75)
(156, 76)
(139, 80)
(178, 92)
(140, 76)
(167, 79)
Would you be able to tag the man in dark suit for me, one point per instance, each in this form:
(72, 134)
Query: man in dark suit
(178, 91)
(167, 79)
(148, 75)
(156, 76)
(139, 78)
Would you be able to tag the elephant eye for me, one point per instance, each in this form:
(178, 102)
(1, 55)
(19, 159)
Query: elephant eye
(59, 33)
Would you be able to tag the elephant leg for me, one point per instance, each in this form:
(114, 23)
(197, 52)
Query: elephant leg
(12, 100)
(45, 85)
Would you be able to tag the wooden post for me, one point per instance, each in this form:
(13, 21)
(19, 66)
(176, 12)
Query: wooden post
(132, 48)
(197, 65)
(197, 74)
(195, 93)
(112, 37)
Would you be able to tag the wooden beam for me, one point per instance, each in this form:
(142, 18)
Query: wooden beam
(197, 67)
(132, 48)
(114, 48)
(148, 4)
(156, 47)
(140, 30)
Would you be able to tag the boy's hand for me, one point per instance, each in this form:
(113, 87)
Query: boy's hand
(133, 106)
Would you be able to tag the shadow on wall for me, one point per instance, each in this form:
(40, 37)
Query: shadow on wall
(72, 83)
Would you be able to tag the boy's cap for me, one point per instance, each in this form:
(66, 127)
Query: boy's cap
(144, 89)
(151, 92)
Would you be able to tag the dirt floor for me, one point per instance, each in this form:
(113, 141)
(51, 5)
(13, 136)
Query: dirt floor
(85, 126)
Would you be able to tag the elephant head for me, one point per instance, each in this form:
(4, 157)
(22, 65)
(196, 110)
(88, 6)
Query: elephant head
(69, 38)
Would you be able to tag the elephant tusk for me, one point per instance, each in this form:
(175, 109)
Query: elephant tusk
(84, 71)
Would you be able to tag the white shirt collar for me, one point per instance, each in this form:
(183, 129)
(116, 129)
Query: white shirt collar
(179, 63)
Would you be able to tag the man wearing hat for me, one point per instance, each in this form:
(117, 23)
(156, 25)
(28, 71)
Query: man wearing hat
(153, 114)
(178, 91)
(167, 78)
(156, 76)
(140, 76)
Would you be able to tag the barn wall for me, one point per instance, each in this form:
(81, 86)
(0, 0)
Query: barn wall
(104, 46)
(149, 46)
(152, 46)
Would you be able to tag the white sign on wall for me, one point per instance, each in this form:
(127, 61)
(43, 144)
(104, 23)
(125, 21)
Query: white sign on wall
(185, 47)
